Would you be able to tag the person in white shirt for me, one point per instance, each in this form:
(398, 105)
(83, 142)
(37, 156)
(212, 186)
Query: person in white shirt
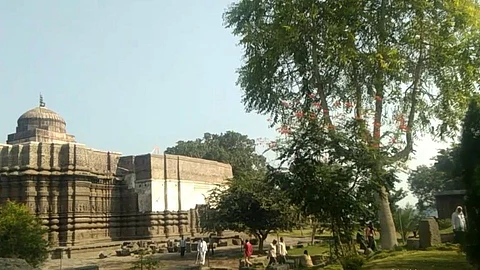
(272, 253)
(459, 225)
(281, 252)
(183, 246)
(202, 251)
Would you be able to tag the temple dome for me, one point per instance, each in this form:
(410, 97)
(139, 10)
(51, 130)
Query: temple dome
(41, 118)
(40, 124)
(41, 113)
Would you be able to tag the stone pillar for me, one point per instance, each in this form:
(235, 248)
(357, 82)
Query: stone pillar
(4, 188)
(27, 193)
(53, 211)
(81, 213)
(429, 233)
(42, 186)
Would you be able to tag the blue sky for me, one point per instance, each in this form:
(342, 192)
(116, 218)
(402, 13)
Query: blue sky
(128, 75)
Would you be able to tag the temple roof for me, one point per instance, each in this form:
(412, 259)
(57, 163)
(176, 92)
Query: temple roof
(40, 124)
(41, 113)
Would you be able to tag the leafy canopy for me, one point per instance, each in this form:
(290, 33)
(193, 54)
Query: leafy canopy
(407, 220)
(393, 66)
(444, 174)
(470, 160)
(21, 234)
(230, 147)
(248, 205)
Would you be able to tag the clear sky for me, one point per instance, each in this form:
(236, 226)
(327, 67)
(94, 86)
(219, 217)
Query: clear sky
(128, 76)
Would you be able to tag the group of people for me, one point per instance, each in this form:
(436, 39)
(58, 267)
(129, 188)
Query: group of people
(202, 249)
(277, 252)
(366, 238)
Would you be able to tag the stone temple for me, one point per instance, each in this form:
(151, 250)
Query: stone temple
(86, 196)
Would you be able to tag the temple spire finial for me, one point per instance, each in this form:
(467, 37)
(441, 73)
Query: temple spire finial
(42, 103)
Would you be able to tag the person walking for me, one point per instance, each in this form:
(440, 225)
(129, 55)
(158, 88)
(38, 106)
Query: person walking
(183, 246)
(248, 252)
(272, 253)
(211, 245)
(281, 252)
(202, 251)
(459, 225)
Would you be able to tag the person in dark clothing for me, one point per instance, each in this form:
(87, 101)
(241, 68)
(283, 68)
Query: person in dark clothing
(370, 235)
(183, 245)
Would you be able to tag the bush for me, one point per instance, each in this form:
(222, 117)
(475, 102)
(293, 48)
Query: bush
(353, 262)
(145, 263)
(21, 234)
(444, 224)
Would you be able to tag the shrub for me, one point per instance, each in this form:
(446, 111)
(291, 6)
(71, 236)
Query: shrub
(444, 224)
(21, 234)
(145, 263)
(353, 262)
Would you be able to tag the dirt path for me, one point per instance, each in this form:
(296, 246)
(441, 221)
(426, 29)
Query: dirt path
(224, 257)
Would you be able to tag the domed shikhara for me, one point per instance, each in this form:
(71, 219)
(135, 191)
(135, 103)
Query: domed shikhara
(41, 118)
(40, 124)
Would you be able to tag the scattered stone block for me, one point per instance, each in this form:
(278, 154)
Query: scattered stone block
(235, 241)
(447, 237)
(429, 233)
(122, 252)
(14, 264)
(102, 255)
(413, 243)
(278, 267)
(222, 243)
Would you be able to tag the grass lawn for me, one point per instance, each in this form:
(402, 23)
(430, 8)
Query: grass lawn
(434, 259)
(443, 257)
(312, 250)
(297, 233)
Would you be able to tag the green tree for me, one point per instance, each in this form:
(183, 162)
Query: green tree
(448, 163)
(425, 182)
(407, 220)
(444, 174)
(21, 234)
(392, 65)
(470, 160)
(230, 147)
(333, 190)
(249, 205)
(395, 196)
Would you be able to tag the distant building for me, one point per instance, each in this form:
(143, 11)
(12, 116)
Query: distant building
(447, 202)
(85, 196)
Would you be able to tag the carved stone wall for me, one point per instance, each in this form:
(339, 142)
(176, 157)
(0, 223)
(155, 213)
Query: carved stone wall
(80, 196)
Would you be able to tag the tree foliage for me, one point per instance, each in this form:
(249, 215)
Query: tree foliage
(393, 66)
(333, 189)
(21, 234)
(470, 160)
(230, 147)
(248, 205)
(444, 174)
(407, 220)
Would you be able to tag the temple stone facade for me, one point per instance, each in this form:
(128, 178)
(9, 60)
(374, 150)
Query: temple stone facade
(86, 196)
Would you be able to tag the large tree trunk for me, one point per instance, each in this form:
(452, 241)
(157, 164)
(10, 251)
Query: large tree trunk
(388, 234)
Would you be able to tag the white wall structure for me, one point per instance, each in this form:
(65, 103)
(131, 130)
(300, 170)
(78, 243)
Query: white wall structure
(173, 183)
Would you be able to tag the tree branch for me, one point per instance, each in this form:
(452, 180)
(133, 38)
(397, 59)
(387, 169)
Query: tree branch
(405, 152)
